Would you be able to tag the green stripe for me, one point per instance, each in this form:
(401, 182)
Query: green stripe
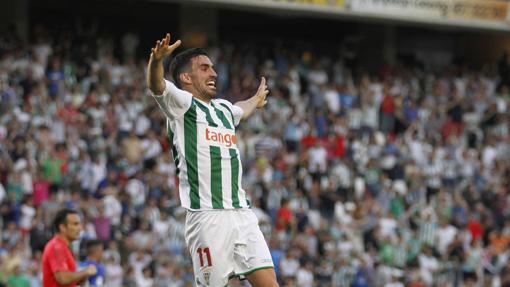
(208, 117)
(217, 197)
(222, 117)
(249, 272)
(230, 111)
(190, 150)
(174, 150)
(176, 160)
(234, 167)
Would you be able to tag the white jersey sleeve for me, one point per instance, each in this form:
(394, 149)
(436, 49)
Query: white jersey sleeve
(238, 114)
(174, 102)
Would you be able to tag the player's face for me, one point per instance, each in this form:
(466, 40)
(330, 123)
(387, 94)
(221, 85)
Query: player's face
(97, 252)
(73, 227)
(203, 76)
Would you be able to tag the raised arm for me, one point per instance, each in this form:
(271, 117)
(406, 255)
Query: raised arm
(257, 101)
(155, 71)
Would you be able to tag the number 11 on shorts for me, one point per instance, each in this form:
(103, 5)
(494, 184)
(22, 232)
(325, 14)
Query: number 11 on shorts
(201, 256)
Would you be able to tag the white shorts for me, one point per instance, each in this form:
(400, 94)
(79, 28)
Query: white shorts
(225, 244)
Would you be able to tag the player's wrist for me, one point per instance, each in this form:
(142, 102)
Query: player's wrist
(155, 60)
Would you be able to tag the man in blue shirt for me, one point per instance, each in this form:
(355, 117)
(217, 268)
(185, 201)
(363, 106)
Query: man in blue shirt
(94, 249)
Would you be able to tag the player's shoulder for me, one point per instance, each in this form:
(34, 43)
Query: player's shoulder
(49, 245)
(55, 244)
(222, 101)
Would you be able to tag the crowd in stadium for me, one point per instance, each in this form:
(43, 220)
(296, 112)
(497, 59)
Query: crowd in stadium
(394, 178)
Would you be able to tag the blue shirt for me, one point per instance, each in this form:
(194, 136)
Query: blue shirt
(276, 255)
(96, 280)
(347, 101)
(360, 278)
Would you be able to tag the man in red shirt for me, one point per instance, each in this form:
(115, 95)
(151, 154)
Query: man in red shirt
(58, 266)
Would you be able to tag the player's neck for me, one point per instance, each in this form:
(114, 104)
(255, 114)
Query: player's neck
(203, 99)
(64, 238)
(198, 95)
(92, 259)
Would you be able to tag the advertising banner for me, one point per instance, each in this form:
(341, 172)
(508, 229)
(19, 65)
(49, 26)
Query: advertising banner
(484, 10)
(331, 3)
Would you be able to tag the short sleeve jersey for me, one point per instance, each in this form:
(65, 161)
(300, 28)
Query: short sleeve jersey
(204, 149)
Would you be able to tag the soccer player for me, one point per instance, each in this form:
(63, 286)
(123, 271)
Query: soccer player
(58, 266)
(94, 249)
(221, 231)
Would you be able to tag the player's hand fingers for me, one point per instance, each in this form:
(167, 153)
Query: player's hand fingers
(166, 40)
(264, 95)
(175, 45)
(168, 37)
(262, 85)
(162, 47)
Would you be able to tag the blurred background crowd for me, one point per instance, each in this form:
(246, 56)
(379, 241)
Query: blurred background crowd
(398, 177)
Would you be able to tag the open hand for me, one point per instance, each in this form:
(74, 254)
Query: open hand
(262, 93)
(163, 48)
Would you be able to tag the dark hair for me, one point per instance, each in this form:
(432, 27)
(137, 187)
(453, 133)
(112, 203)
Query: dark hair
(61, 217)
(91, 244)
(182, 62)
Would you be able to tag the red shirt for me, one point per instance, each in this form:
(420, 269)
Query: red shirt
(68, 114)
(388, 105)
(308, 141)
(450, 128)
(335, 147)
(476, 230)
(283, 218)
(56, 257)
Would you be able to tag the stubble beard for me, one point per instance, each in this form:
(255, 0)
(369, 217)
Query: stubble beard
(207, 92)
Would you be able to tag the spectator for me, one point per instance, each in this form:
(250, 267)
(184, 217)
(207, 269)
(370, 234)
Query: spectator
(113, 272)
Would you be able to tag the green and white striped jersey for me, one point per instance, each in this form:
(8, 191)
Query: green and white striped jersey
(204, 149)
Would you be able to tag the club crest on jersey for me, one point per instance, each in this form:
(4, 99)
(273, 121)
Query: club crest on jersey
(207, 276)
(219, 137)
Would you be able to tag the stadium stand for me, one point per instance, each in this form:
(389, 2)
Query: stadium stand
(395, 178)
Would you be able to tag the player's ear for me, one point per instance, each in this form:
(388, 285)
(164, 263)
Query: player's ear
(58, 227)
(185, 78)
